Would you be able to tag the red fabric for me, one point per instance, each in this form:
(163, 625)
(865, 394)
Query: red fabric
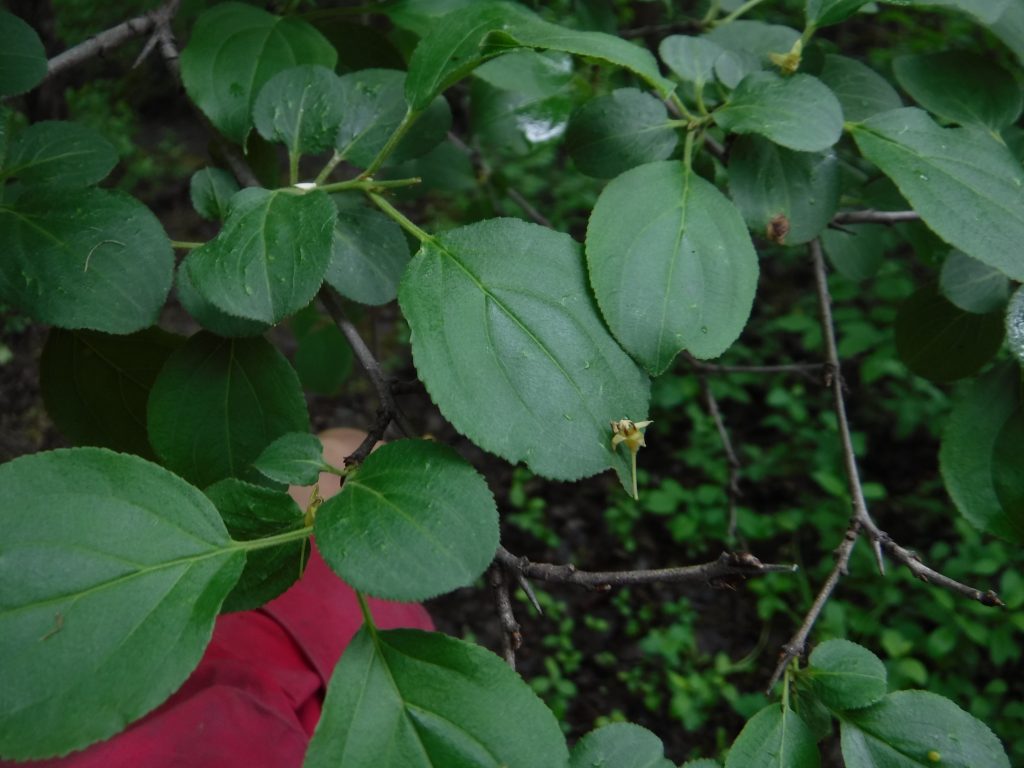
(255, 697)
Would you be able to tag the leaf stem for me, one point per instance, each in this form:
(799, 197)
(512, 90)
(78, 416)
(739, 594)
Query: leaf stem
(275, 541)
(369, 184)
(400, 217)
(293, 167)
(367, 616)
(688, 150)
(336, 158)
(181, 245)
(407, 122)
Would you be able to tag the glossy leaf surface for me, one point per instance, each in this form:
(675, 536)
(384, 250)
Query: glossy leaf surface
(211, 190)
(613, 133)
(961, 87)
(86, 646)
(913, 728)
(300, 107)
(510, 346)
(619, 745)
(253, 512)
(22, 59)
(269, 259)
(846, 675)
(773, 186)
(968, 441)
(413, 522)
(774, 738)
(85, 258)
(410, 699)
(96, 385)
(798, 112)
(218, 403)
(62, 153)
(234, 50)
(671, 264)
(967, 187)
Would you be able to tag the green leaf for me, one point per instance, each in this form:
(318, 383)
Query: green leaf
(374, 105)
(413, 522)
(206, 314)
(368, 255)
(973, 286)
(234, 50)
(467, 38)
(768, 182)
(671, 264)
(411, 699)
(691, 58)
(985, 11)
(774, 738)
(967, 187)
(961, 87)
(510, 122)
(22, 59)
(95, 386)
(619, 745)
(323, 358)
(1015, 324)
(965, 456)
(253, 512)
(861, 91)
(538, 75)
(798, 112)
(859, 253)
(703, 763)
(269, 259)
(211, 190)
(60, 153)
(1009, 26)
(88, 646)
(359, 46)
(84, 258)
(300, 107)
(751, 43)
(218, 403)
(910, 728)
(510, 345)
(942, 342)
(1008, 468)
(823, 13)
(812, 711)
(846, 675)
(613, 133)
(296, 458)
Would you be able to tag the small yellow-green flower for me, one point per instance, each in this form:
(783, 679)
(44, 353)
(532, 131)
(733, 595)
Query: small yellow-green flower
(632, 434)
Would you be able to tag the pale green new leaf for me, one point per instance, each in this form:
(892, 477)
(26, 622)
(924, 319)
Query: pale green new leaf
(112, 571)
(798, 112)
(270, 258)
(211, 190)
(619, 745)
(775, 737)
(62, 153)
(410, 699)
(967, 186)
(84, 258)
(965, 456)
(509, 343)
(218, 403)
(918, 728)
(22, 58)
(671, 264)
(846, 675)
(296, 458)
(300, 107)
(861, 91)
(767, 182)
(961, 87)
(414, 521)
(234, 50)
(613, 133)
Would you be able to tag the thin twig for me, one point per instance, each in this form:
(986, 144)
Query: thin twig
(728, 564)
(511, 638)
(366, 359)
(795, 647)
(875, 217)
(807, 370)
(111, 38)
(733, 491)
